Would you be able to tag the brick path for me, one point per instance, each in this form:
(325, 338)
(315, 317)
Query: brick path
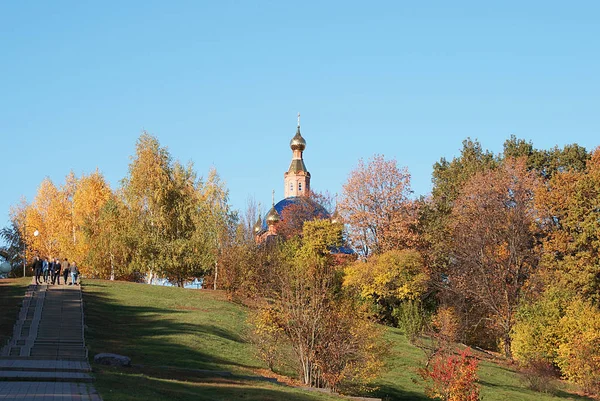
(46, 359)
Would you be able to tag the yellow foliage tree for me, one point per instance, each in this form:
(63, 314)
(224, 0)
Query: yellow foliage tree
(579, 355)
(388, 279)
(91, 194)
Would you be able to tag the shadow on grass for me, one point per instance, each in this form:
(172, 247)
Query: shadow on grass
(155, 336)
(11, 299)
(114, 384)
(388, 393)
(148, 334)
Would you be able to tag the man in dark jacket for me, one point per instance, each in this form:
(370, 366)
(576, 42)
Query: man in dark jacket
(57, 268)
(37, 268)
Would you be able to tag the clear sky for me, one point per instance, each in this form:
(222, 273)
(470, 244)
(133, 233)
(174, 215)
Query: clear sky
(220, 82)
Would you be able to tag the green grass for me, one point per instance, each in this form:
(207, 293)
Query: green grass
(185, 329)
(11, 297)
(498, 383)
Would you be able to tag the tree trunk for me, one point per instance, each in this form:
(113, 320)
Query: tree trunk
(112, 267)
(216, 275)
(507, 344)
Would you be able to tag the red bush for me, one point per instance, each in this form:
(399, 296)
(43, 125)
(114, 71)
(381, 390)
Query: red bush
(452, 377)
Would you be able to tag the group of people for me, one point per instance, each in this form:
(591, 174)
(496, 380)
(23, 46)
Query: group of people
(49, 271)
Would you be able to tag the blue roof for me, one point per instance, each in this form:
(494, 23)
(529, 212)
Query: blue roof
(318, 211)
(342, 249)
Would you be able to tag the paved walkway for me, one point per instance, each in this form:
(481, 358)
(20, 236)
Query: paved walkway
(46, 359)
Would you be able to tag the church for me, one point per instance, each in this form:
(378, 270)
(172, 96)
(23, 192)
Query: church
(296, 181)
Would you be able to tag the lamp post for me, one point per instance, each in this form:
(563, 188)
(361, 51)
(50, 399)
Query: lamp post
(35, 234)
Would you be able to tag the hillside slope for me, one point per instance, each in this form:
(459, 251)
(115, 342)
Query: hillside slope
(182, 342)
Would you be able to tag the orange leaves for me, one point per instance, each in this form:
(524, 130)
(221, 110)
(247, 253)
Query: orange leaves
(60, 216)
(494, 226)
(375, 204)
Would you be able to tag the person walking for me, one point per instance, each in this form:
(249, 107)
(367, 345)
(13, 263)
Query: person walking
(51, 271)
(45, 269)
(74, 273)
(65, 269)
(37, 268)
(57, 269)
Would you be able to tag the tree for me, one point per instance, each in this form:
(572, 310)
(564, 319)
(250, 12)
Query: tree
(579, 354)
(176, 220)
(376, 206)
(547, 162)
(570, 208)
(145, 192)
(110, 256)
(91, 193)
(434, 220)
(303, 209)
(494, 241)
(388, 280)
(13, 250)
(308, 310)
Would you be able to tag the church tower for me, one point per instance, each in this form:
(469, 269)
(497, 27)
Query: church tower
(297, 178)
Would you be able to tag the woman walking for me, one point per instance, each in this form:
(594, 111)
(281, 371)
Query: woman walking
(74, 273)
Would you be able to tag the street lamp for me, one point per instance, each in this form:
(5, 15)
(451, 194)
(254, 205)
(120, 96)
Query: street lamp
(35, 234)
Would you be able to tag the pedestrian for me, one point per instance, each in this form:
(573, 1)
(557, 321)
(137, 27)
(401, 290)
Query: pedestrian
(37, 268)
(57, 268)
(65, 269)
(51, 270)
(74, 273)
(45, 269)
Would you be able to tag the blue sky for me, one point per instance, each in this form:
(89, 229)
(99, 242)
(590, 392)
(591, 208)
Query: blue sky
(219, 83)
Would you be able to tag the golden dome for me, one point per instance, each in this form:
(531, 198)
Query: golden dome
(335, 217)
(272, 217)
(258, 226)
(297, 141)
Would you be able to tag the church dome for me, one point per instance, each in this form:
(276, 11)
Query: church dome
(258, 226)
(316, 211)
(298, 141)
(335, 217)
(272, 217)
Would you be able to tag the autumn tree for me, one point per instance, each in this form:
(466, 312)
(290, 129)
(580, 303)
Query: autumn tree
(494, 241)
(331, 340)
(387, 280)
(50, 215)
(176, 220)
(570, 208)
(91, 192)
(304, 209)
(113, 241)
(434, 225)
(376, 207)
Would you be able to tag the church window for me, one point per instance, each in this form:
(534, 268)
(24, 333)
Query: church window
(291, 186)
(299, 186)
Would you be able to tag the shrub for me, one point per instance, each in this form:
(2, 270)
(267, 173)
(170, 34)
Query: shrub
(411, 319)
(579, 356)
(451, 377)
(539, 376)
(536, 335)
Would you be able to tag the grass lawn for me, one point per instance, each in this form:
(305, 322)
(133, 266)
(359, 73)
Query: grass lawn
(11, 297)
(498, 383)
(184, 329)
